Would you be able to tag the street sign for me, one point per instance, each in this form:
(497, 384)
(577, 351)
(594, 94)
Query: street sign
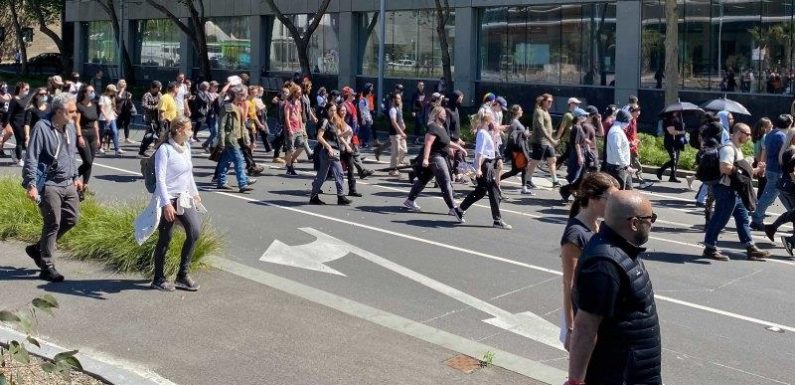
(325, 249)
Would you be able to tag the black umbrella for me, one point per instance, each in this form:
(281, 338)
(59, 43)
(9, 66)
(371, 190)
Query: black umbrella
(723, 104)
(681, 107)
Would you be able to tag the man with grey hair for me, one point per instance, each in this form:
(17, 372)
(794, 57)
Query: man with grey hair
(52, 181)
(615, 338)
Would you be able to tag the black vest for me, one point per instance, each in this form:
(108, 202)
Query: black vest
(628, 348)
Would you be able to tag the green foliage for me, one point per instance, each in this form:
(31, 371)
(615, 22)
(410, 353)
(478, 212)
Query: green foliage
(652, 152)
(104, 233)
(488, 359)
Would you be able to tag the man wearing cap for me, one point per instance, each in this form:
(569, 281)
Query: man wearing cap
(617, 151)
(562, 134)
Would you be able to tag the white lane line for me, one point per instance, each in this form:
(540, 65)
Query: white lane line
(489, 256)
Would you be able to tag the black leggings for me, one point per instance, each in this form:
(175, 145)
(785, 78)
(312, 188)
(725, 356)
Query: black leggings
(124, 124)
(87, 154)
(191, 222)
(19, 137)
(436, 169)
(486, 185)
(673, 161)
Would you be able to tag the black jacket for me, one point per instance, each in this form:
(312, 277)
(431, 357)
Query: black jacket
(741, 182)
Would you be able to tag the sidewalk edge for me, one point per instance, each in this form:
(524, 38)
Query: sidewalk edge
(529, 368)
(99, 365)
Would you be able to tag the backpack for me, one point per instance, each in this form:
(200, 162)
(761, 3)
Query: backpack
(148, 172)
(708, 161)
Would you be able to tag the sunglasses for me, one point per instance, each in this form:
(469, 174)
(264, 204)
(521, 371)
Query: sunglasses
(747, 133)
(652, 218)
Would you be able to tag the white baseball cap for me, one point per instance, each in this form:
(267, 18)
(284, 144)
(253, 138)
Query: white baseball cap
(575, 101)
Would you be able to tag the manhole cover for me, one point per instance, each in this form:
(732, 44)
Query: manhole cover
(464, 363)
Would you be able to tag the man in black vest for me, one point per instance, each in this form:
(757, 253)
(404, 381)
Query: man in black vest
(616, 335)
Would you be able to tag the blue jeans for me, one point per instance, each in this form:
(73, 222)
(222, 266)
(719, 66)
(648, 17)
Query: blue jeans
(232, 154)
(322, 173)
(364, 132)
(768, 197)
(108, 127)
(727, 204)
(212, 125)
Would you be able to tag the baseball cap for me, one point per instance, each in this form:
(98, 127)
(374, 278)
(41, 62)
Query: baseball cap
(623, 116)
(592, 110)
(489, 97)
(580, 113)
(574, 100)
(503, 103)
(57, 80)
(399, 87)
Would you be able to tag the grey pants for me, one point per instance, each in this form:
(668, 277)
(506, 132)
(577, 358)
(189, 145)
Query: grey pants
(191, 222)
(436, 169)
(322, 173)
(60, 207)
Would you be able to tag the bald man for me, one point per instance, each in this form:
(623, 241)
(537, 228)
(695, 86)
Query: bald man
(615, 339)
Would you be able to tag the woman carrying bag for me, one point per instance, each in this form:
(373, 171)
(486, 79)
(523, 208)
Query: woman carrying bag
(674, 142)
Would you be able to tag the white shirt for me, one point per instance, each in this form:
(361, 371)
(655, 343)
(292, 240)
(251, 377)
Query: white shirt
(174, 173)
(617, 146)
(182, 93)
(484, 145)
(729, 154)
(106, 111)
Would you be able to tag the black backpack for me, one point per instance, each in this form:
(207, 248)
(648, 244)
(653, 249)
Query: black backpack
(708, 161)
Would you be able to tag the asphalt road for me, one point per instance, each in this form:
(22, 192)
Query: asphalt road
(715, 316)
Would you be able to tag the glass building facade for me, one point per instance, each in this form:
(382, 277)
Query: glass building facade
(157, 43)
(228, 43)
(101, 45)
(323, 45)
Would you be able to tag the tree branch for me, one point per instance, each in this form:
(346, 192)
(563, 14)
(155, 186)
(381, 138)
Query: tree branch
(171, 16)
(316, 19)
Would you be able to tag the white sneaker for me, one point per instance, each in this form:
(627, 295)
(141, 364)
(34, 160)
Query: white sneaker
(128, 141)
(119, 152)
(690, 179)
(21, 163)
(411, 205)
(101, 150)
(526, 191)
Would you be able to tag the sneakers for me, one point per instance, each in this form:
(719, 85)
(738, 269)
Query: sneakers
(713, 253)
(365, 173)
(163, 285)
(411, 205)
(354, 194)
(754, 254)
(21, 163)
(225, 187)
(757, 226)
(343, 201)
(128, 141)
(458, 214)
(48, 273)
(556, 184)
(526, 191)
(787, 245)
(251, 181)
(119, 152)
(659, 173)
(291, 171)
(394, 173)
(530, 184)
(315, 200)
(102, 150)
(186, 283)
(770, 231)
(690, 179)
(502, 225)
(246, 189)
(33, 252)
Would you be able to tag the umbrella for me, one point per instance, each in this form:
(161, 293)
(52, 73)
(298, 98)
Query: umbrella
(724, 104)
(682, 107)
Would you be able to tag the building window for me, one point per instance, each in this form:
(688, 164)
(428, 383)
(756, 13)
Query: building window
(412, 47)
(549, 44)
(157, 43)
(101, 47)
(323, 51)
(228, 43)
(737, 46)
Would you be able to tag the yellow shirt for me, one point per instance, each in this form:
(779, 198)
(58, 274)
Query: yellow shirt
(168, 107)
(252, 110)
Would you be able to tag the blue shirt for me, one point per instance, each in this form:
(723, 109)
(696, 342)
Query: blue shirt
(773, 143)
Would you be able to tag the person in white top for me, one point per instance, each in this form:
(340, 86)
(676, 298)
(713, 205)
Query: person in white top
(107, 119)
(179, 199)
(183, 92)
(618, 155)
(485, 154)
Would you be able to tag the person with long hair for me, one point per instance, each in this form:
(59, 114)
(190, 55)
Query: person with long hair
(125, 108)
(38, 106)
(87, 132)
(434, 164)
(587, 210)
(107, 119)
(674, 143)
(5, 130)
(543, 142)
(786, 188)
(581, 159)
(485, 153)
(180, 201)
(19, 119)
(295, 134)
(517, 149)
(330, 141)
(758, 134)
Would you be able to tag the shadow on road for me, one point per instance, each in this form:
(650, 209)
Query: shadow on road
(9, 273)
(95, 288)
(119, 178)
(676, 258)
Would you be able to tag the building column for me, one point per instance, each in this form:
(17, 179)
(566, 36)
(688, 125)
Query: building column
(79, 48)
(628, 31)
(348, 51)
(465, 63)
(128, 34)
(259, 43)
(185, 52)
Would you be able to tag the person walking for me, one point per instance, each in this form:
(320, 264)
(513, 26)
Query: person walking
(51, 179)
(178, 197)
(615, 337)
(760, 131)
(5, 130)
(485, 153)
(543, 143)
(365, 118)
(231, 133)
(617, 150)
(562, 134)
(418, 111)
(434, 164)
(200, 109)
(107, 119)
(397, 134)
(329, 138)
(18, 117)
(516, 150)
(728, 202)
(295, 135)
(674, 143)
(212, 116)
(87, 133)
(634, 143)
(150, 103)
(581, 160)
(125, 108)
(774, 142)
(786, 187)
(585, 215)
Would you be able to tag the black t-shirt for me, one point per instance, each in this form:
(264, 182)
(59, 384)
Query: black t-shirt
(788, 163)
(453, 123)
(37, 114)
(442, 143)
(598, 286)
(18, 113)
(576, 233)
(330, 133)
(88, 115)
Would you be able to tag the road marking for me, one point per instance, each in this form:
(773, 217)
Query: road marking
(526, 324)
(492, 257)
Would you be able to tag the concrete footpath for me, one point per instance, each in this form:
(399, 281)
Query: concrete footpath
(233, 331)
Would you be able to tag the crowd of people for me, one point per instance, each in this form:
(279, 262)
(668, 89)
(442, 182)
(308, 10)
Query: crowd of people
(602, 240)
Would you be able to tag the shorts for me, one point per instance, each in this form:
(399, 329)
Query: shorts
(294, 141)
(542, 151)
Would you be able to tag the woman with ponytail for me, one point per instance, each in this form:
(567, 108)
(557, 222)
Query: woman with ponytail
(586, 212)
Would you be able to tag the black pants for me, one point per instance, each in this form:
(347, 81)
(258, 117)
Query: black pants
(347, 159)
(486, 185)
(673, 161)
(87, 155)
(123, 123)
(191, 222)
(152, 134)
(59, 208)
(436, 169)
(278, 143)
(563, 157)
(621, 174)
(514, 171)
(263, 135)
(19, 137)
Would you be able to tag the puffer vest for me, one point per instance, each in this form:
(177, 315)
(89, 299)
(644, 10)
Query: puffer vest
(628, 349)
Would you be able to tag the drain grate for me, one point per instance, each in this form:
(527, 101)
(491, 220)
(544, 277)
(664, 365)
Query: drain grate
(464, 363)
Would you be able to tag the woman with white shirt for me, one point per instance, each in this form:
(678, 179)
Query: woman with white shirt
(485, 153)
(107, 118)
(179, 199)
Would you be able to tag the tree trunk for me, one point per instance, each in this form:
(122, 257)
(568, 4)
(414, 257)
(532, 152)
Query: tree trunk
(203, 52)
(110, 9)
(52, 35)
(671, 51)
(23, 49)
(301, 42)
(442, 16)
(303, 57)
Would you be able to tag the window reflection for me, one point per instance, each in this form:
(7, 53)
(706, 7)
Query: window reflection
(157, 43)
(228, 42)
(100, 42)
(323, 48)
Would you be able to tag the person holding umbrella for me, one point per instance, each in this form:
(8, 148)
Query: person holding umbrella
(674, 143)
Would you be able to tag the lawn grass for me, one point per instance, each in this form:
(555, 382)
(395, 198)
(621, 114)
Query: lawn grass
(104, 232)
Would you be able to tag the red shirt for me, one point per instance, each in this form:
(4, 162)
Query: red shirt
(632, 135)
(294, 120)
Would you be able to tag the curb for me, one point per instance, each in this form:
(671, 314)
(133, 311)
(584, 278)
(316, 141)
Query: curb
(95, 364)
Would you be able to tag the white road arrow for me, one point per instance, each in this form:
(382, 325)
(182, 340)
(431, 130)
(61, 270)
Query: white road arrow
(325, 249)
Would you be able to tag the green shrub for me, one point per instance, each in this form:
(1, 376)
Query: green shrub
(104, 232)
(652, 152)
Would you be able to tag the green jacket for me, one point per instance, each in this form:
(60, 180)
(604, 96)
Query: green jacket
(232, 128)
